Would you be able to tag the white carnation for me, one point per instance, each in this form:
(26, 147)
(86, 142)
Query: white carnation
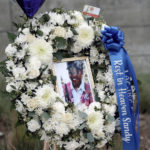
(10, 65)
(95, 105)
(76, 47)
(42, 50)
(45, 29)
(32, 104)
(62, 129)
(21, 39)
(33, 125)
(58, 107)
(79, 17)
(60, 32)
(110, 128)
(19, 107)
(33, 72)
(20, 54)
(9, 87)
(19, 73)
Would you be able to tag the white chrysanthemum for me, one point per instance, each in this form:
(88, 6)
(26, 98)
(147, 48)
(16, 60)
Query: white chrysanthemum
(10, 50)
(58, 107)
(100, 77)
(62, 129)
(94, 55)
(72, 145)
(19, 73)
(85, 35)
(60, 32)
(95, 120)
(56, 18)
(46, 95)
(33, 125)
(42, 50)
(110, 109)
(32, 104)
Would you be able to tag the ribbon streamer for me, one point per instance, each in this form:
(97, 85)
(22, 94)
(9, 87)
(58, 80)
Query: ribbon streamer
(113, 40)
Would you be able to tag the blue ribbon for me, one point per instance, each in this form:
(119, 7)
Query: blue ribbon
(113, 40)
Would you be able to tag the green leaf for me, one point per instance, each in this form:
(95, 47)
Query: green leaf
(53, 79)
(61, 43)
(45, 116)
(82, 114)
(11, 37)
(39, 32)
(111, 119)
(82, 126)
(3, 68)
(90, 137)
(74, 31)
(45, 18)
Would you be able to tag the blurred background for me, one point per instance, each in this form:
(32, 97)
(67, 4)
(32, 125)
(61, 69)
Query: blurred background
(132, 16)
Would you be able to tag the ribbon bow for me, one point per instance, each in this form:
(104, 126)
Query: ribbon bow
(113, 40)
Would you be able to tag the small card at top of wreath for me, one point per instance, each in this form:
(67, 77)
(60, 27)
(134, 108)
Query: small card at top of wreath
(91, 11)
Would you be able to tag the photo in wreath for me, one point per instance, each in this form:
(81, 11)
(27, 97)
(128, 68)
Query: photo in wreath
(74, 80)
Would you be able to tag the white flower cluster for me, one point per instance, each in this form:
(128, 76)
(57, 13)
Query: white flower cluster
(31, 79)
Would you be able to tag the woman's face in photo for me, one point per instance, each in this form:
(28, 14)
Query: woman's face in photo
(75, 76)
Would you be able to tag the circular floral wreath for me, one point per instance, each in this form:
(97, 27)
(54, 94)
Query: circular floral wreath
(51, 37)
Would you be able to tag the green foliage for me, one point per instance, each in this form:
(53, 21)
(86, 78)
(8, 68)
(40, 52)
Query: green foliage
(61, 43)
(3, 68)
(11, 37)
(45, 116)
(82, 114)
(39, 32)
(45, 18)
(90, 137)
(58, 10)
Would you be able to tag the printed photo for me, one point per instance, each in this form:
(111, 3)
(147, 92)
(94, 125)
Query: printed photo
(74, 80)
